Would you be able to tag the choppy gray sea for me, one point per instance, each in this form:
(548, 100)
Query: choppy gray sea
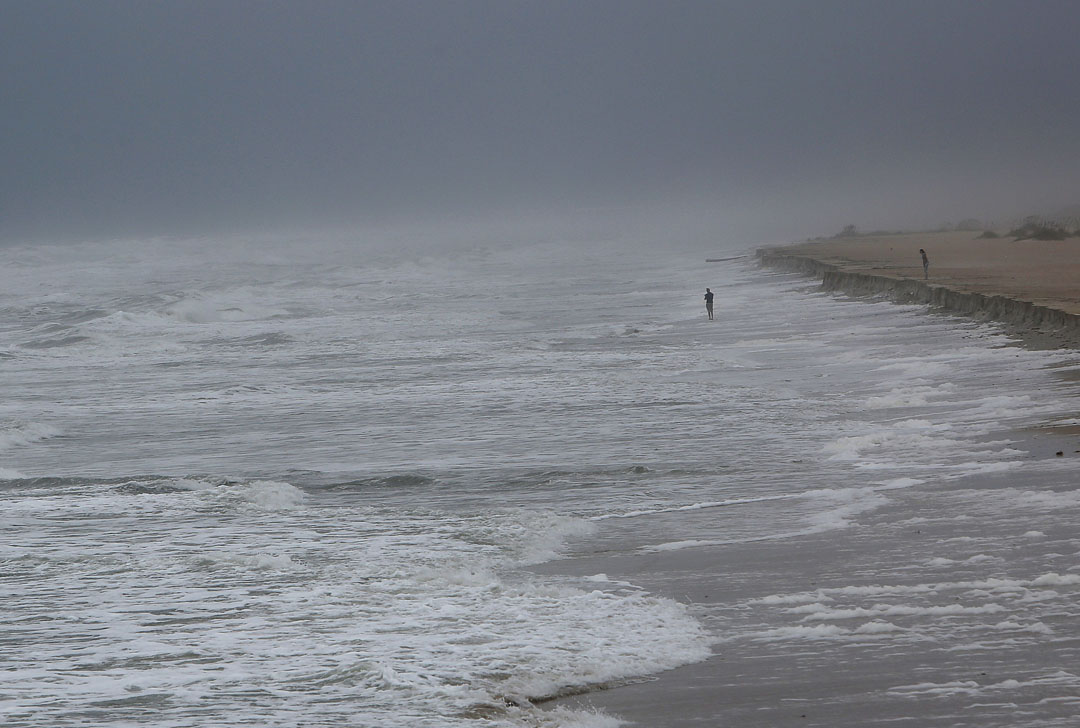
(294, 484)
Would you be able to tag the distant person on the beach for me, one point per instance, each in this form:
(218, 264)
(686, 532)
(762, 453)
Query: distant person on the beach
(708, 302)
(925, 264)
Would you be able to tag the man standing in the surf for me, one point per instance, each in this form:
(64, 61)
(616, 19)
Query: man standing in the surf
(708, 302)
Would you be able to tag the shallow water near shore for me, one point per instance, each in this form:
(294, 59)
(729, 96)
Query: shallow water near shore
(314, 488)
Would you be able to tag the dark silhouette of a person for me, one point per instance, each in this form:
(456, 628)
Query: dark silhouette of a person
(925, 264)
(708, 302)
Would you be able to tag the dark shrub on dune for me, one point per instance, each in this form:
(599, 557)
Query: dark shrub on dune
(1035, 229)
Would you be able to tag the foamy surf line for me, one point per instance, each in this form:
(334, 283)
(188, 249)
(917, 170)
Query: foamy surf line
(892, 484)
(997, 623)
(1043, 581)
(844, 505)
(692, 507)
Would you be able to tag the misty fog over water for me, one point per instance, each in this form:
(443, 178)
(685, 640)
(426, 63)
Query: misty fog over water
(714, 120)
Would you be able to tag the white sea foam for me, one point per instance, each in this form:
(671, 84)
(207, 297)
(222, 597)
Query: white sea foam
(441, 627)
(911, 396)
(1011, 626)
(690, 507)
(850, 502)
(1054, 579)
(991, 585)
(878, 626)
(1060, 678)
(900, 483)
(19, 434)
(967, 687)
(565, 718)
(257, 562)
(240, 304)
(266, 495)
(802, 632)
(272, 495)
(830, 509)
(819, 613)
(680, 545)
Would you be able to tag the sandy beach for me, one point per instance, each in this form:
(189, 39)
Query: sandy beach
(899, 619)
(1044, 272)
(1030, 286)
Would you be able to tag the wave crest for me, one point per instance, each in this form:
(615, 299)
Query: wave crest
(25, 433)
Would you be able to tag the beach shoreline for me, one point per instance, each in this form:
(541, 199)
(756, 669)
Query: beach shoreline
(838, 628)
(770, 667)
(1029, 286)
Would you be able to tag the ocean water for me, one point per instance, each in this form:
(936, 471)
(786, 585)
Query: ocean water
(299, 484)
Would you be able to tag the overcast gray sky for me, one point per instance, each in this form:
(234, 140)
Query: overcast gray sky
(765, 118)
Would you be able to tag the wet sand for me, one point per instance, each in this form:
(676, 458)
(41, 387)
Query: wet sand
(968, 634)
